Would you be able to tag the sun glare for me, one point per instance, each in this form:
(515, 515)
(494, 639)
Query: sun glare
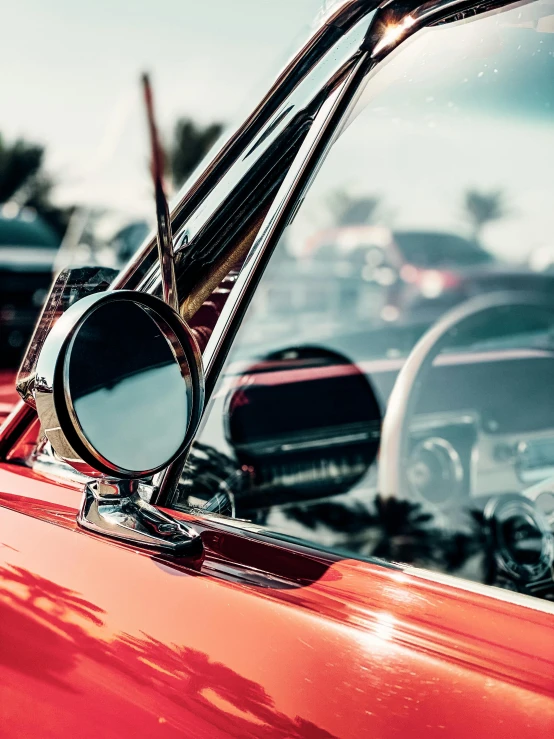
(393, 33)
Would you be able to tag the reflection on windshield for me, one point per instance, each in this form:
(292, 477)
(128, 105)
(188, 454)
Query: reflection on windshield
(439, 192)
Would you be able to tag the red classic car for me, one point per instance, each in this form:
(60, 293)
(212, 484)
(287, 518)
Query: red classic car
(214, 524)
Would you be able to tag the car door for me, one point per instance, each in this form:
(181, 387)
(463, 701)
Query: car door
(270, 638)
(310, 614)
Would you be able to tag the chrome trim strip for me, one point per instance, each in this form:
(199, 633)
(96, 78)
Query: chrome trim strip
(230, 194)
(490, 591)
(336, 24)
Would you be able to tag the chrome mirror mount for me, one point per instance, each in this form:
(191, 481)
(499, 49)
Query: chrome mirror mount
(119, 392)
(117, 509)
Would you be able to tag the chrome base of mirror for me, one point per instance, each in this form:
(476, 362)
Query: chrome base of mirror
(116, 508)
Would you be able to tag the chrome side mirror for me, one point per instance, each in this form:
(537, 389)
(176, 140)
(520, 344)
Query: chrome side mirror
(118, 385)
(119, 392)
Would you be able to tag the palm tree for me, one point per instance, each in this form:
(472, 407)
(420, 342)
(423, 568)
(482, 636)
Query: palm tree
(23, 181)
(482, 208)
(350, 210)
(191, 143)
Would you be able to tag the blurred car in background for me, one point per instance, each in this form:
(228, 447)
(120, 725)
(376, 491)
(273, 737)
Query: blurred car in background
(100, 237)
(364, 284)
(416, 275)
(28, 248)
(32, 253)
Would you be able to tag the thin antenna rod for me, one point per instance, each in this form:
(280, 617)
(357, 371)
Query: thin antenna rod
(165, 237)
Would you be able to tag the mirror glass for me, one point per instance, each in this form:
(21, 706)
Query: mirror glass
(127, 390)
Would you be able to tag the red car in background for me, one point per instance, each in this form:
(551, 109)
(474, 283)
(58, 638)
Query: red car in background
(201, 536)
(415, 275)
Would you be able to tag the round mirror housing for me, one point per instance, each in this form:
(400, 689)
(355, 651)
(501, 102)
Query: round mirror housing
(119, 385)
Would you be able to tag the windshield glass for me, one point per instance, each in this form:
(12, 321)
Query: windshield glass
(390, 393)
(439, 191)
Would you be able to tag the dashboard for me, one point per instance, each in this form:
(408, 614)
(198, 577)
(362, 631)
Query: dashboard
(493, 411)
(295, 447)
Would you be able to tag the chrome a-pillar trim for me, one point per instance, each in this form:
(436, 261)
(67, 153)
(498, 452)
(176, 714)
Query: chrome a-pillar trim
(166, 254)
(322, 134)
(195, 205)
(116, 508)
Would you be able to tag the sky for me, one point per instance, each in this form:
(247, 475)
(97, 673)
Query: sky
(69, 78)
(451, 111)
(459, 107)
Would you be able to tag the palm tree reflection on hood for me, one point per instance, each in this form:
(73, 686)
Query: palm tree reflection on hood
(236, 705)
(53, 634)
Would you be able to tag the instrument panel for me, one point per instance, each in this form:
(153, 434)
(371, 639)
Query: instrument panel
(453, 449)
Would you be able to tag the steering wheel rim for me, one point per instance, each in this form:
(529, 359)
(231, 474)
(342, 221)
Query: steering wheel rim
(393, 455)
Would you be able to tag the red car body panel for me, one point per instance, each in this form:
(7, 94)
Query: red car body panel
(263, 639)
(8, 393)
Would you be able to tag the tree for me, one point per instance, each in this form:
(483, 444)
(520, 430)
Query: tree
(191, 143)
(350, 210)
(20, 163)
(23, 181)
(482, 208)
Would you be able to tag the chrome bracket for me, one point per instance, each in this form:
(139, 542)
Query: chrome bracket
(117, 508)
